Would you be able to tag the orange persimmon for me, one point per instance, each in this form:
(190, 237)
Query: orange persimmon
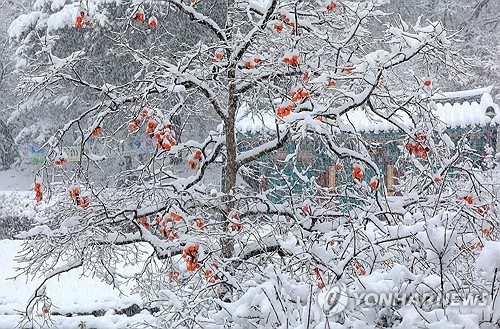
(139, 17)
(357, 173)
(153, 22)
(332, 6)
(97, 131)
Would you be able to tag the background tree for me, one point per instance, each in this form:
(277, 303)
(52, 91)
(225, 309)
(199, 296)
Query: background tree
(477, 25)
(218, 251)
(8, 101)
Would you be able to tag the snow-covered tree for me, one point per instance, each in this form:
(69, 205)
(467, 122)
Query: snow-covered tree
(37, 117)
(8, 152)
(215, 250)
(476, 23)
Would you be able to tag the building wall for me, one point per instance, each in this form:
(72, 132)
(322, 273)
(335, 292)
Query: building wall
(313, 160)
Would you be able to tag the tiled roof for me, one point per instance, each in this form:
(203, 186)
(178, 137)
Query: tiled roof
(454, 109)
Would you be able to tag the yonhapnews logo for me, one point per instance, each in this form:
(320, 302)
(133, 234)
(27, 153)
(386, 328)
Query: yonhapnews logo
(335, 299)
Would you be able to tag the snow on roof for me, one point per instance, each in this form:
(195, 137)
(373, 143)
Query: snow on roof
(455, 111)
(462, 93)
(361, 122)
(449, 107)
(462, 115)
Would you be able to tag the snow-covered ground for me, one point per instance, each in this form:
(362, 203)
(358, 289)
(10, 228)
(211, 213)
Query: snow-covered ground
(70, 293)
(20, 178)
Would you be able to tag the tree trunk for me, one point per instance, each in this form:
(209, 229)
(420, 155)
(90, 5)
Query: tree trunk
(8, 150)
(231, 167)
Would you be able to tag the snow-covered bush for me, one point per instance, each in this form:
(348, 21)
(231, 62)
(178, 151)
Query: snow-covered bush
(225, 253)
(16, 212)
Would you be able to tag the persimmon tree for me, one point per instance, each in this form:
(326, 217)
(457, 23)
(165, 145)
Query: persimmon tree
(220, 246)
